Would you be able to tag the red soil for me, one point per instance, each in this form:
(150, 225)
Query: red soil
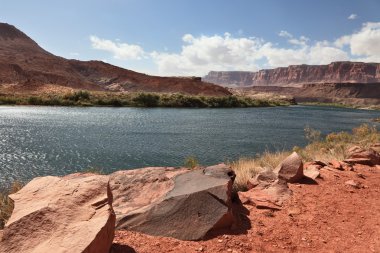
(322, 216)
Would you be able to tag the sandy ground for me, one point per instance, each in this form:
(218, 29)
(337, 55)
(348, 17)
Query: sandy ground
(322, 216)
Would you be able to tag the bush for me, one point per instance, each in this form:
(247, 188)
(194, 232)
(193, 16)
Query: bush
(191, 162)
(6, 204)
(78, 95)
(147, 100)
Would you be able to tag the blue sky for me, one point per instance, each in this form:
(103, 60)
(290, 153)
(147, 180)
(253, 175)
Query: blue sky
(192, 37)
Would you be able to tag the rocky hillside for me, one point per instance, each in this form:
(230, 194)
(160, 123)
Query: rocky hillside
(295, 75)
(353, 94)
(25, 66)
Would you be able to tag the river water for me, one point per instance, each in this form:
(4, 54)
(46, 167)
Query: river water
(38, 141)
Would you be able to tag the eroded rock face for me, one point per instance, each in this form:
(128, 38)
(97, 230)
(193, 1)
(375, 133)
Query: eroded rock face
(176, 203)
(291, 169)
(358, 72)
(53, 214)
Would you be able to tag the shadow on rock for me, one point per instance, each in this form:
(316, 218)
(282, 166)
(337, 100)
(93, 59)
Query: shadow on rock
(241, 223)
(118, 248)
(307, 180)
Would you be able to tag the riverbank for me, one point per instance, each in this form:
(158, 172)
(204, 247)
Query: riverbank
(118, 99)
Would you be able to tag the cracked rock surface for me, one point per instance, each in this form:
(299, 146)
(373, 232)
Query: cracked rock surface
(175, 203)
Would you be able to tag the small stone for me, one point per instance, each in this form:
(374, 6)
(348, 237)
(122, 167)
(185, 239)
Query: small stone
(353, 184)
(361, 175)
(229, 250)
(293, 211)
(336, 165)
(220, 240)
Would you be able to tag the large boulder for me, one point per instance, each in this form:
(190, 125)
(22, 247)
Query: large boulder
(291, 169)
(53, 214)
(172, 202)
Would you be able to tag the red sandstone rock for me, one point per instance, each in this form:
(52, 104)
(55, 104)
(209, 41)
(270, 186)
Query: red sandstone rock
(55, 214)
(335, 165)
(363, 156)
(264, 177)
(312, 171)
(270, 196)
(349, 72)
(291, 169)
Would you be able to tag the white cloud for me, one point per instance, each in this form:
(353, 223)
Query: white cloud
(204, 53)
(285, 34)
(352, 16)
(200, 54)
(122, 51)
(365, 44)
(301, 41)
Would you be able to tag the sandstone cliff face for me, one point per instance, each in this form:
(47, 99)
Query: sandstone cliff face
(296, 75)
(26, 66)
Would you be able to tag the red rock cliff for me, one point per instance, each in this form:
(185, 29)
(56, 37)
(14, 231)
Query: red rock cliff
(294, 75)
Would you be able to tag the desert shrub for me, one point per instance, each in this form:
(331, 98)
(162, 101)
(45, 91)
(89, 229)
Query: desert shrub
(146, 100)
(93, 170)
(78, 95)
(191, 162)
(8, 101)
(312, 135)
(6, 204)
(33, 100)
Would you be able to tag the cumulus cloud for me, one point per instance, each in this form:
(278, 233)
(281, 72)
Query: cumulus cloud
(122, 51)
(204, 53)
(365, 44)
(200, 54)
(352, 17)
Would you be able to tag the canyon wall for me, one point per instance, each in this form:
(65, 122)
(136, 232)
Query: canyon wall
(296, 75)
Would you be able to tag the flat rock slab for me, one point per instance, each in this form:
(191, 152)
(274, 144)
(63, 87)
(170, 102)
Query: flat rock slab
(186, 206)
(270, 196)
(53, 214)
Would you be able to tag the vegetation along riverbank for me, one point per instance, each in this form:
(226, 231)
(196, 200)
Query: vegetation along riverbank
(86, 98)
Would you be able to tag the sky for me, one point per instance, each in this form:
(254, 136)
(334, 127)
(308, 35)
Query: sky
(193, 37)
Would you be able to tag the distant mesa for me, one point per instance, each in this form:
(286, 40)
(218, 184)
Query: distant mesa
(26, 67)
(297, 75)
(351, 83)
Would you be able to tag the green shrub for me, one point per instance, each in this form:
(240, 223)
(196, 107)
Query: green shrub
(146, 100)
(191, 162)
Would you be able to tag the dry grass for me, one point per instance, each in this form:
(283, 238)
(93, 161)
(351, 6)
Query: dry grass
(246, 168)
(6, 204)
(333, 147)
